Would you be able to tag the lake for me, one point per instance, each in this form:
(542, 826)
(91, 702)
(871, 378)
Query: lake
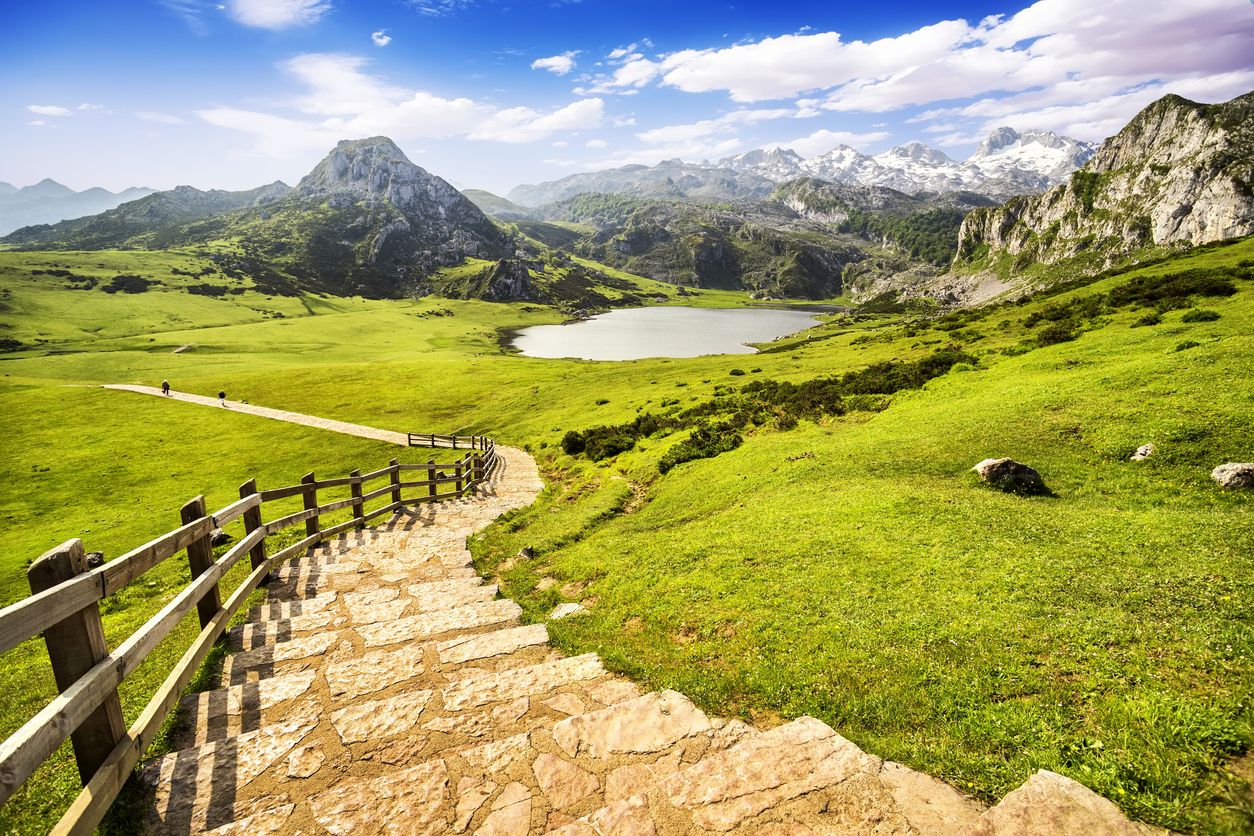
(635, 333)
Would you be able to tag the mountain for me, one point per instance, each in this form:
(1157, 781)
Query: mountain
(365, 221)
(1179, 174)
(140, 223)
(1006, 163)
(495, 206)
(48, 202)
(668, 180)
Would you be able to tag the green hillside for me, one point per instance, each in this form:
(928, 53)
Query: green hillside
(847, 565)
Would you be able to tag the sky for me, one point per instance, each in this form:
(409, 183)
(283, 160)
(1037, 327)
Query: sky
(494, 93)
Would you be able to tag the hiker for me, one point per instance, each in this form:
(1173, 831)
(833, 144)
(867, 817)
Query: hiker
(165, 388)
(222, 398)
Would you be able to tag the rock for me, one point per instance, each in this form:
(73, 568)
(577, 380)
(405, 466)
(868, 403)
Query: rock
(416, 796)
(373, 671)
(481, 689)
(95, 560)
(526, 553)
(1142, 453)
(788, 761)
(1234, 475)
(379, 718)
(471, 793)
(563, 783)
(250, 697)
(218, 537)
(497, 756)
(646, 724)
(511, 813)
(440, 621)
(1011, 476)
(304, 761)
(1049, 804)
(487, 645)
(566, 610)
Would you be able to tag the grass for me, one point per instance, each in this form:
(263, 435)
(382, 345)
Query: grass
(851, 569)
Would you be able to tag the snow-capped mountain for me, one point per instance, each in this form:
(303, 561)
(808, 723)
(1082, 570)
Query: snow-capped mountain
(1005, 164)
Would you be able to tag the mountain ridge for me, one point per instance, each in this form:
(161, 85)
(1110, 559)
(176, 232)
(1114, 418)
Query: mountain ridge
(48, 202)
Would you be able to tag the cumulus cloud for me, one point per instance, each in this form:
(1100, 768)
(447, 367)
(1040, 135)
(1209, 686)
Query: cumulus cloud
(380, 37)
(277, 14)
(556, 64)
(342, 99)
(39, 123)
(596, 143)
(90, 106)
(822, 141)
(49, 110)
(1064, 64)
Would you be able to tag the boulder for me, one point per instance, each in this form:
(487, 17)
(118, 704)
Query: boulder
(1049, 804)
(1142, 453)
(95, 560)
(1234, 475)
(526, 553)
(1011, 476)
(218, 537)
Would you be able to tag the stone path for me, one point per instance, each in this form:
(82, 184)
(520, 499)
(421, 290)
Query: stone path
(277, 414)
(386, 688)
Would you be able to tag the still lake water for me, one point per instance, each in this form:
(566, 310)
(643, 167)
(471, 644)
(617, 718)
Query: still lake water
(635, 333)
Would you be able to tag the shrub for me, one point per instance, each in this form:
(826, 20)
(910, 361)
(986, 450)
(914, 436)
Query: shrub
(737, 372)
(1186, 345)
(1058, 332)
(1199, 315)
(1151, 318)
(706, 442)
(602, 401)
(1148, 290)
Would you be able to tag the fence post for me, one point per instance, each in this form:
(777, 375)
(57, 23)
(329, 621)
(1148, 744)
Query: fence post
(311, 503)
(75, 645)
(454, 442)
(200, 559)
(432, 487)
(395, 464)
(478, 468)
(359, 512)
(252, 522)
(457, 474)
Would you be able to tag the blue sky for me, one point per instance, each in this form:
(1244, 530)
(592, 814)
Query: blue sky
(492, 93)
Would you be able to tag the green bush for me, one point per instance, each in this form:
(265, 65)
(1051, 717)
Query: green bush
(1199, 315)
(737, 372)
(1058, 332)
(706, 442)
(1186, 345)
(1151, 318)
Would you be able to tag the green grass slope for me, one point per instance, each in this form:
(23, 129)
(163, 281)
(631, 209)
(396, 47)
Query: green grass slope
(850, 568)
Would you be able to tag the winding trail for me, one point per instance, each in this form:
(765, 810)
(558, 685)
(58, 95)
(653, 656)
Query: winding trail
(277, 414)
(385, 688)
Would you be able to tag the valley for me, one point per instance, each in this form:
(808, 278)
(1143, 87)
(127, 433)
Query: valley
(792, 531)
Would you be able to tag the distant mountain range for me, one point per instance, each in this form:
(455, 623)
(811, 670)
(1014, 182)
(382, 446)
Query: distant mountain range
(47, 202)
(1007, 163)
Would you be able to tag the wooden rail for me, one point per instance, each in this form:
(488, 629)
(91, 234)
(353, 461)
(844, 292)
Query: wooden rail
(64, 607)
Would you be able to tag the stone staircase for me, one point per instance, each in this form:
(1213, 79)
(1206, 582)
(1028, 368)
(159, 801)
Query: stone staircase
(387, 689)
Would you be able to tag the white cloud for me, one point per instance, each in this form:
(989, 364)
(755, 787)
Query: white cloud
(1068, 65)
(596, 143)
(822, 141)
(160, 118)
(277, 14)
(39, 123)
(49, 110)
(652, 155)
(89, 106)
(727, 123)
(556, 64)
(561, 143)
(380, 37)
(343, 100)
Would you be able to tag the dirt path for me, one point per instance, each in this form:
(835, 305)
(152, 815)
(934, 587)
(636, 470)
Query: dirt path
(277, 414)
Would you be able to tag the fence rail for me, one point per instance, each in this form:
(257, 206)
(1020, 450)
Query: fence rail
(64, 607)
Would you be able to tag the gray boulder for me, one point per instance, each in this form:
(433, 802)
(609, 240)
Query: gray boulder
(1011, 476)
(1142, 453)
(95, 560)
(1234, 475)
(218, 537)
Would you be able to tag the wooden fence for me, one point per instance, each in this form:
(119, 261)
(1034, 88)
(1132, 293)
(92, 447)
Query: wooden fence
(64, 607)
(466, 442)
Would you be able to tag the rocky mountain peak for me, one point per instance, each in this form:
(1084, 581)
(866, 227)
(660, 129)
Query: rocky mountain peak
(997, 140)
(918, 152)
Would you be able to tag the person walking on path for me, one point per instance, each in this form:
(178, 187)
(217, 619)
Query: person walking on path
(165, 388)
(222, 398)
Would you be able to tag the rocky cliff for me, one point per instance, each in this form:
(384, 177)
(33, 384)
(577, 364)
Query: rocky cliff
(1179, 174)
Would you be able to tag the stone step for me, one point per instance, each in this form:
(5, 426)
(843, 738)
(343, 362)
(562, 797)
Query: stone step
(225, 712)
(277, 610)
(257, 634)
(429, 625)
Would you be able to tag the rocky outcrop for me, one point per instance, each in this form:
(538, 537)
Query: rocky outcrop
(1179, 174)
(1011, 476)
(1234, 475)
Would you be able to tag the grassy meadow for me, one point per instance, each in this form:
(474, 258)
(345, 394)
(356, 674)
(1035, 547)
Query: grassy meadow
(851, 568)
